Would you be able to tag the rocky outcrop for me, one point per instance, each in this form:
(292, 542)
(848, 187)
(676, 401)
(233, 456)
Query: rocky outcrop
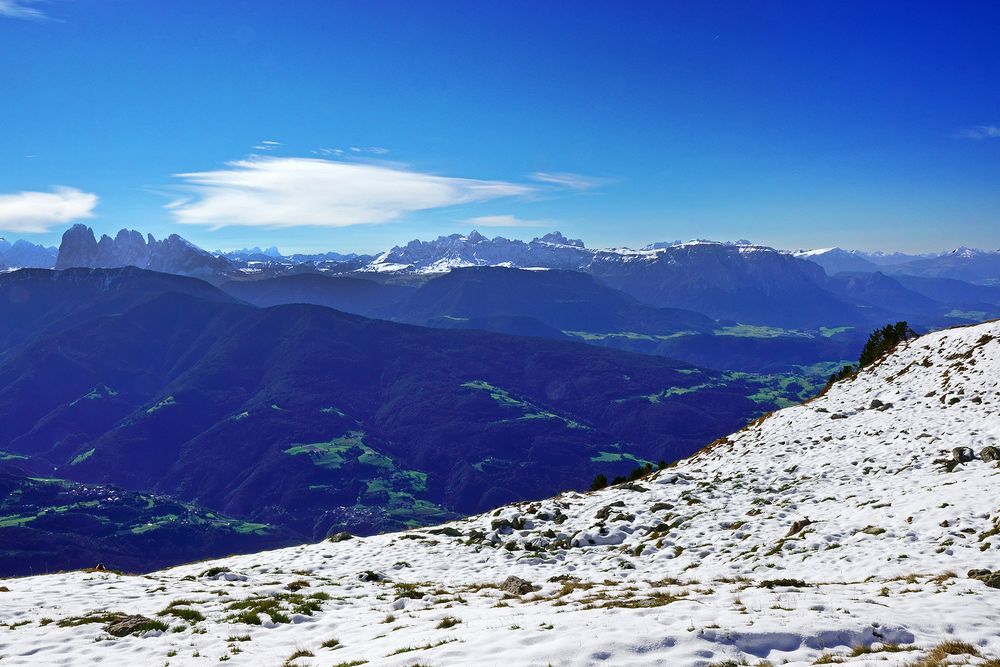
(79, 248)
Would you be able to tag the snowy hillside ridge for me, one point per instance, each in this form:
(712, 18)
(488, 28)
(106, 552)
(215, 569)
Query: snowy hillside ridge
(840, 530)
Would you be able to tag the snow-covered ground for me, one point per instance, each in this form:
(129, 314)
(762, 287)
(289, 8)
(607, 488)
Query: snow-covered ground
(829, 531)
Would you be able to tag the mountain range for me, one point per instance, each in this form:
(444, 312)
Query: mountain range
(79, 248)
(23, 254)
(553, 250)
(332, 393)
(738, 282)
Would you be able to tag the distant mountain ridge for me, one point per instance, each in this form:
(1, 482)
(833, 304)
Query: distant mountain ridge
(80, 249)
(22, 254)
(553, 251)
(729, 281)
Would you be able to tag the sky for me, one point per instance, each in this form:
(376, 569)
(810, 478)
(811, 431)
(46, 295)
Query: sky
(355, 126)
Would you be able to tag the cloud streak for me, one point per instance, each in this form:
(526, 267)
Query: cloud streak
(568, 180)
(21, 9)
(36, 212)
(502, 221)
(291, 192)
(980, 132)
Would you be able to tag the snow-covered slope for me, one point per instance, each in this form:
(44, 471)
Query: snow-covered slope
(836, 260)
(834, 528)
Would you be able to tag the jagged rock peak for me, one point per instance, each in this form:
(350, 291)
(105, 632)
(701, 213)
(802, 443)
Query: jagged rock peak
(79, 248)
(558, 239)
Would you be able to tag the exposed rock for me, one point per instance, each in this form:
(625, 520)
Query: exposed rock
(517, 523)
(990, 453)
(991, 579)
(963, 454)
(632, 486)
(342, 536)
(798, 526)
(605, 511)
(369, 575)
(132, 625)
(447, 531)
(79, 248)
(516, 586)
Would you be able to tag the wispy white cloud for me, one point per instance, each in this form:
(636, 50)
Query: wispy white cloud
(291, 192)
(374, 150)
(980, 132)
(502, 221)
(36, 212)
(21, 9)
(568, 180)
(356, 150)
(267, 145)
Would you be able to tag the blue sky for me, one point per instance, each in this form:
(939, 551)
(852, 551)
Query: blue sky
(800, 124)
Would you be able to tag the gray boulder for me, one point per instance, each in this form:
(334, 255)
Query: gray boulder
(516, 586)
(963, 454)
(133, 625)
(342, 536)
(990, 453)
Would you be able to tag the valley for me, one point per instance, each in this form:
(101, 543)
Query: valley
(301, 398)
(848, 529)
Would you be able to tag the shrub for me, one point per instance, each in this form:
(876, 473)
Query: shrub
(880, 343)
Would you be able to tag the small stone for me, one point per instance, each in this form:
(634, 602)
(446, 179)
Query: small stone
(605, 511)
(500, 524)
(990, 453)
(516, 586)
(963, 454)
(342, 536)
(798, 526)
(132, 625)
